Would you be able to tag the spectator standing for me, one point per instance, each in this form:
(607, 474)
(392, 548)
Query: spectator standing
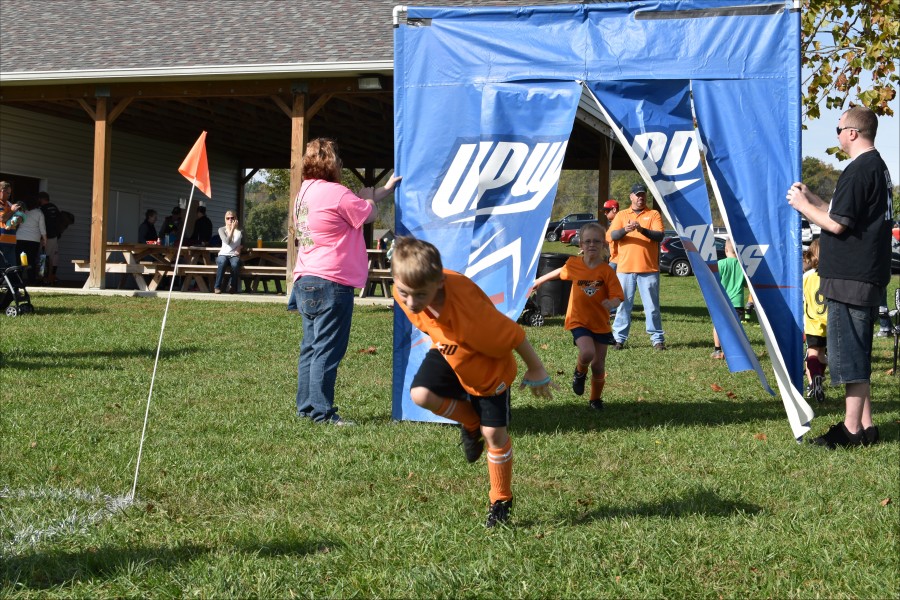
(855, 249)
(611, 209)
(203, 227)
(331, 262)
(467, 374)
(147, 229)
(815, 323)
(229, 254)
(731, 276)
(30, 238)
(8, 224)
(595, 292)
(637, 231)
(52, 220)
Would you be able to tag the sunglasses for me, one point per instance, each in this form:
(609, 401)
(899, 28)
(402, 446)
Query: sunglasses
(840, 129)
(229, 218)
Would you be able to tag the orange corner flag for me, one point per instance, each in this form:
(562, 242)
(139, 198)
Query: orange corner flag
(195, 168)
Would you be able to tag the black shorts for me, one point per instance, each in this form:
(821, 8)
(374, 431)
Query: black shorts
(816, 341)
(436, 375)
(600, 338)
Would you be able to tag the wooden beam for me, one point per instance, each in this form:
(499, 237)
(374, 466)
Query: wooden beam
(100, 199)
(87, 108)
(317, 105)
(118, 110)
(282, 105)
(604, 172)
(246, 178)
(299, 133)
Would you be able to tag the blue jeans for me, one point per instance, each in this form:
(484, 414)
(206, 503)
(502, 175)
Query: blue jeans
(235, 263)
(326, 308)
(648, 285)
(849, 342)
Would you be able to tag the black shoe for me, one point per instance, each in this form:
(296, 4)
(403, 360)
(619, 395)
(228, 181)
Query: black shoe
(836, 436)
(472, 443)
(619, 346)
(578, 380)
(818, 388)
(660, 346)
(597, 404)
(870, 435)
(498, 513)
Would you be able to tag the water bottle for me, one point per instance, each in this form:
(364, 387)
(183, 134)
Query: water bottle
(259, 242)
(23, 259)
(121, 239)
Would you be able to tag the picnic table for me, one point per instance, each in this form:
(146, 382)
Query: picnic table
(379, 274)
(149, 264)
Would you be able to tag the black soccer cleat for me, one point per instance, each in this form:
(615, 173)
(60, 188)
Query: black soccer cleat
(472, 443)
(578, 380)
(837, 435)
(498, 514)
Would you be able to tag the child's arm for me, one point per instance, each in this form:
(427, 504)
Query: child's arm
(546, 277)
(535, 376)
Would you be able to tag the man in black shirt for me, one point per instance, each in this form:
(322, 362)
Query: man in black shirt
(202, 227)
(855, 268)
(147, 229)
(51, 218)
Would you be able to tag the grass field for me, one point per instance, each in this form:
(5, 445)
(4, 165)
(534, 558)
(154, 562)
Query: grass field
(688, 484)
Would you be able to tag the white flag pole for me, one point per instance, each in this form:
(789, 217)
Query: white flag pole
(162, 331)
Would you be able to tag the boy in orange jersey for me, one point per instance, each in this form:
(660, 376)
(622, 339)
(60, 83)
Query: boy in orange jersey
(467, 373)
(595, 292)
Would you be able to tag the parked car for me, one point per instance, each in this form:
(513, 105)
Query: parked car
(673, 257)
(567, 230)
(553, 229)
(895, 256)
(808, 231)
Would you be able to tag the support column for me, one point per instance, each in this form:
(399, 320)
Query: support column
(369, 228)
(299, 134)
(100, 197)
(604, 172)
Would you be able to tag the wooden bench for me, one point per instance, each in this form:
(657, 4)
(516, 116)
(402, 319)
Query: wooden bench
(144, 268)
(378, 277)
(251, 275)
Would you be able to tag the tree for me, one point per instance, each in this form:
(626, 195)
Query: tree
(820, 177)
(844, 42)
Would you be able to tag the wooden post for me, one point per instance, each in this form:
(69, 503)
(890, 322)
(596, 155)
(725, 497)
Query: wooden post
(299, 133)
(604, 170)
(100, 200)
(369, 228)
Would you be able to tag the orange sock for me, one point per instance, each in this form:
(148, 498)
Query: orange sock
(597, 382)
(500, 462)
(460, 411)
(581, 368)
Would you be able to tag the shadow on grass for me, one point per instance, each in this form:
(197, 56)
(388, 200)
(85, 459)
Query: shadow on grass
(640, 415)
(64, 310)
(696, 502)
(44, 570)
(87, 359)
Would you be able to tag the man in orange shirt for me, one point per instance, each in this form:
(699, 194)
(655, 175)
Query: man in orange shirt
(467, 374)
(637, 231)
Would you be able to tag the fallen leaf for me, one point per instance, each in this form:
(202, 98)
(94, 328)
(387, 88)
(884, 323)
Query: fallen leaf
(761, 437)
(34, 444)
(544, 346)
(731, 395)
(411, 475)
(886, 501)
(560, 372)
(618, 578)
(369, 350)
(890, 371)
(716, 387)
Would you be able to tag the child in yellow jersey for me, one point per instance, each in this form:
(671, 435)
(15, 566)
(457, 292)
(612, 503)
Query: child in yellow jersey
(815, 321)
(595, 291)
(467, 374)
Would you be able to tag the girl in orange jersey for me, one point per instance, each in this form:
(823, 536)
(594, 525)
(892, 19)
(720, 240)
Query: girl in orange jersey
(595, 291)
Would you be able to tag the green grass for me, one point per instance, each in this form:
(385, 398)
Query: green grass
(675, 490)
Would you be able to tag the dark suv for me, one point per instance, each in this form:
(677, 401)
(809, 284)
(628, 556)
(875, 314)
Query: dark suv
(673, 257)
(556, 227)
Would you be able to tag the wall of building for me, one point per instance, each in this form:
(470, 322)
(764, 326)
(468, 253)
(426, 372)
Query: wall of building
(143, 174)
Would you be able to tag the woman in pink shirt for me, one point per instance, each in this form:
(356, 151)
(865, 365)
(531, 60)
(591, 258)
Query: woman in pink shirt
(331, 262)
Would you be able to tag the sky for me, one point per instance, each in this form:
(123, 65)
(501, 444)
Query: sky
(820, 135)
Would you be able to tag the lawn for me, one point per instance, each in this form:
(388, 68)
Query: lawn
(688, 484)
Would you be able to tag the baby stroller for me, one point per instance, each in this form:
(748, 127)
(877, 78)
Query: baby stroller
(531, 314)
(14, 298)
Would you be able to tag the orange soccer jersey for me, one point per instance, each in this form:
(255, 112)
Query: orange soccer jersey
(475, 338)
(636, 252)
(590, 287)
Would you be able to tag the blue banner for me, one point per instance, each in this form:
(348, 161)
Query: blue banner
(654, 122)
(484, 103)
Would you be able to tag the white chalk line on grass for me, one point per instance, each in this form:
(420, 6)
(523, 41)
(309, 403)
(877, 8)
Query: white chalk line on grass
(77, 520)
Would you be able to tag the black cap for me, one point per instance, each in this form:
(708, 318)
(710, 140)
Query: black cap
(639, 188)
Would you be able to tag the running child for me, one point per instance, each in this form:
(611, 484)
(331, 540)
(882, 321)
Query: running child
(595, 292)
(815, 321)
(467, 374)
(731, 276)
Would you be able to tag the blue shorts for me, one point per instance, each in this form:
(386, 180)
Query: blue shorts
(600, 338)
(850, 342)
